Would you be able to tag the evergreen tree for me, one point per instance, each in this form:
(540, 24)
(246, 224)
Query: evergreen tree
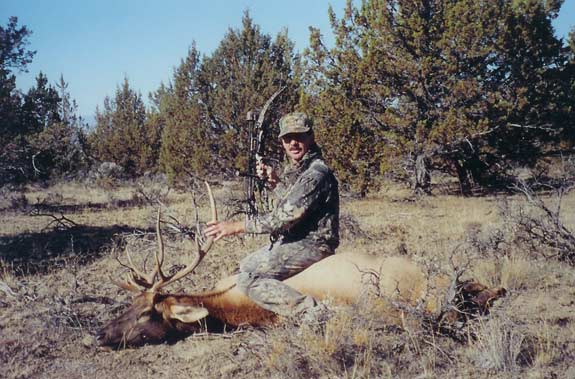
(40, 133)
(14, 56)
(68, 109)
(205, 108)
(353, 146)
(446, 84)
(119, 135)
(41, 106)
(186, 145)
(241, 74)
(58, 149)
(10, 108)
(568, 109)
(152, 134)
(14, 53)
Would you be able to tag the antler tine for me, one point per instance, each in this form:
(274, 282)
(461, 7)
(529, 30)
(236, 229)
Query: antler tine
(201, 250)
(129, 284)
(136, 278)
(159, 256)
(214, 213)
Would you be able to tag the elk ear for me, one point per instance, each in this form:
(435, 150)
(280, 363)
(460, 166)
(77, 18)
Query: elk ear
(187, 313)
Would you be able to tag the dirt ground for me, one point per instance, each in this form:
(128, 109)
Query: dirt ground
(59, 248)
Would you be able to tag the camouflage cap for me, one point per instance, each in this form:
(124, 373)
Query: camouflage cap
(296, 122)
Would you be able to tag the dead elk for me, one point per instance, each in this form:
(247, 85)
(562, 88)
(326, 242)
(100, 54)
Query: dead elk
(344, 277)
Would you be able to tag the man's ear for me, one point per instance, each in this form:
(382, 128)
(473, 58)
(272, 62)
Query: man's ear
(187, 313)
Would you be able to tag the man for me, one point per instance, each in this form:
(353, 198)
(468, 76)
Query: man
(304, 226)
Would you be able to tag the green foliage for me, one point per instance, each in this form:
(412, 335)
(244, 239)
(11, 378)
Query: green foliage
(241, 74)
(57, 151)
(49, 141)
(13, 149)
(123, 135)
(569, 94)
(205, 108)
(14, 55)
(465, 87)
(40, 135)
(59, 147)
(40, 108)
(185, 148)
(450, 84)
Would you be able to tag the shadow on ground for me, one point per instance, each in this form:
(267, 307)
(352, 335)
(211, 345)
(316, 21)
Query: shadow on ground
(31, 253)
(45, 207)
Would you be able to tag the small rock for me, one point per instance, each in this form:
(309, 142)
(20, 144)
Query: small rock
(88, 340)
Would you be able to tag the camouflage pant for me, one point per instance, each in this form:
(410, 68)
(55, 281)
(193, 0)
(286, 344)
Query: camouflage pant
(262, 272)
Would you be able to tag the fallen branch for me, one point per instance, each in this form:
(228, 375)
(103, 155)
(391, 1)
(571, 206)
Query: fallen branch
(60, 222)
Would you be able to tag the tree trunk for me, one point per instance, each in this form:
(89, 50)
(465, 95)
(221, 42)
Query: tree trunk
(422, 175)
(465, 178)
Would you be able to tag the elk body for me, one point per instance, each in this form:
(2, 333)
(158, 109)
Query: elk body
(344, 277)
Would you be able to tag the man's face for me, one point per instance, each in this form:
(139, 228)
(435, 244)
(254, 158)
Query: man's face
(296, 145)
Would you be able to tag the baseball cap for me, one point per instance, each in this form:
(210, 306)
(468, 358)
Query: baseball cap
(296, 122)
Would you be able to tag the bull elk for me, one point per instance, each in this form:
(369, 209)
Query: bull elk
(155, 316)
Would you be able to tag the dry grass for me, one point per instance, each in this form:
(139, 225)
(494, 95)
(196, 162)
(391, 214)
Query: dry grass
(46, 329)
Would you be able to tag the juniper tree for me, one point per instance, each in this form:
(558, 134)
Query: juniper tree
(58, 149)
(40, 132)
(119, 135)
(241, 74)
(37, 110)
(451, 84)
(185, 151)
(568, 136)
(41, 105)
(205, 106)
(14, 57)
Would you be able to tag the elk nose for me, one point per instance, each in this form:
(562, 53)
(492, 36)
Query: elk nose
(101, 337)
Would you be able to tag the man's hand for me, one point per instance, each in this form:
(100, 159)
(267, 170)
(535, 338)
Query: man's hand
(267, 173)
(220, 229)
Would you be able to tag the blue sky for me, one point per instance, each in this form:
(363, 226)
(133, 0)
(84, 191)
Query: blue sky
(95, 44)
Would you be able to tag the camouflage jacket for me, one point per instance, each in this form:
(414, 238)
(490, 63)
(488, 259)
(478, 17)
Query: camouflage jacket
(307, 204)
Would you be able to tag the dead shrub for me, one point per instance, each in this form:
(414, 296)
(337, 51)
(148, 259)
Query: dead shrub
(485, 242)
(537, 227)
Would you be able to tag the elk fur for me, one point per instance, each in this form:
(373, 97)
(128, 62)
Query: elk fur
(343, 277)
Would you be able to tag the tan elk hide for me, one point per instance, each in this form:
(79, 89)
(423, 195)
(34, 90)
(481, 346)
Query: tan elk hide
(344, 277)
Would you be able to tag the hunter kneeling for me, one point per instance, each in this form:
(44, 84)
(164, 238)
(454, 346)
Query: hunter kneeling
(303, 227)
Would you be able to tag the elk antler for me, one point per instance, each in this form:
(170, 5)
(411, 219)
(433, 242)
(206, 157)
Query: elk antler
(138, 280)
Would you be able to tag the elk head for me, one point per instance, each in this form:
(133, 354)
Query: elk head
(153, 317)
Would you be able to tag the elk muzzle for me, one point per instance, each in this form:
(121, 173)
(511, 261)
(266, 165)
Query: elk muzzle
(152, 318)
(139, 325)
